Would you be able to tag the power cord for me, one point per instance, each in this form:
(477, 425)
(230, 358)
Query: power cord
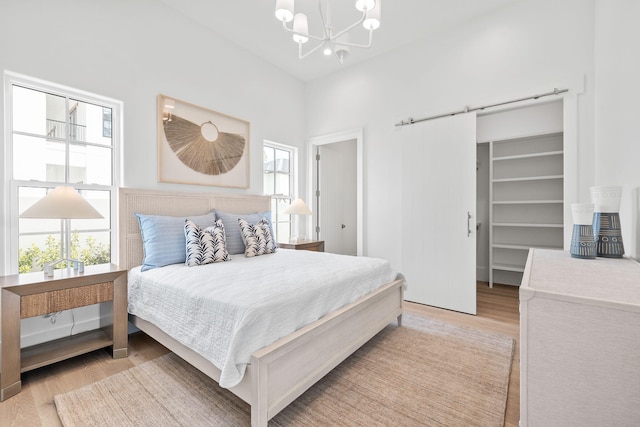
(53, 317)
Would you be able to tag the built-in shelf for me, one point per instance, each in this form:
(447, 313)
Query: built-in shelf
(529, 178)
(526, 224)
(526, 202)
(508, 267)
(521, 247)
(528, 156)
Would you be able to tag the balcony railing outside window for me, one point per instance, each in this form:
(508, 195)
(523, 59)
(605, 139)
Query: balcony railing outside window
(55, 129)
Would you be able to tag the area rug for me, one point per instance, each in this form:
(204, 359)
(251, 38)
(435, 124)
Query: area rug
(425, 373)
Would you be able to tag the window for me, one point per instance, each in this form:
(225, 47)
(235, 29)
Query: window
(278, 180)
(58, 136)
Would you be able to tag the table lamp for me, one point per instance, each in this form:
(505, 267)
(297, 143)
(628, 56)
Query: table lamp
(297, 207)
(62, 203)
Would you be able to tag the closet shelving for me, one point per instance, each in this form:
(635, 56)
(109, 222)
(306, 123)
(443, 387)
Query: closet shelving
(526, 209)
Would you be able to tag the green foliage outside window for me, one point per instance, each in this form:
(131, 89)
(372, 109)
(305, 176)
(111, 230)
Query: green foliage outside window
(34, 257)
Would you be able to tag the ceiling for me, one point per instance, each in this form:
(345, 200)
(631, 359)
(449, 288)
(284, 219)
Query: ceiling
(251, 24)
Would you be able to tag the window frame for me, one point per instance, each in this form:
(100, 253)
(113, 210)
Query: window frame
(293, 182)
(11, 185)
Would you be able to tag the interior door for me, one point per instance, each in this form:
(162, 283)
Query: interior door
(438, 212)
(337, 195)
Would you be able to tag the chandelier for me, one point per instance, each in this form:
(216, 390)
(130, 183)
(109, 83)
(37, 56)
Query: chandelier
(332, 40)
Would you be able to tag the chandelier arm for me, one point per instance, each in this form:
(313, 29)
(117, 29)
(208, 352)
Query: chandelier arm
(311, 36)
(302, 56)
(350, 27)
(324, 22)
(365, 46)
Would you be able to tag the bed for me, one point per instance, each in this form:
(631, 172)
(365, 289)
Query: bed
(281, 371)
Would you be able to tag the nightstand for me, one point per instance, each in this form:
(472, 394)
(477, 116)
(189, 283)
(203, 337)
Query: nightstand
(306, 245)
(34, 294)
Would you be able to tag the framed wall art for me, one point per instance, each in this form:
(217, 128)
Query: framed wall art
(200, 146)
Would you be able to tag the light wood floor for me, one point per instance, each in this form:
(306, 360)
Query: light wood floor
(497, 312)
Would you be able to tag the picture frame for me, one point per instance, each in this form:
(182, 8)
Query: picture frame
(200, 146)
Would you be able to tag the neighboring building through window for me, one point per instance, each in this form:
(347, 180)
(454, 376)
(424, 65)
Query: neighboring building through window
(279, 177)
(60, 136)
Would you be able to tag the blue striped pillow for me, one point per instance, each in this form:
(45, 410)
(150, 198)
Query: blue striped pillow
(163, 238)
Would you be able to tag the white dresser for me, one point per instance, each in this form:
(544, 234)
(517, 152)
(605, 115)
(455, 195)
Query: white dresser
(579, 341)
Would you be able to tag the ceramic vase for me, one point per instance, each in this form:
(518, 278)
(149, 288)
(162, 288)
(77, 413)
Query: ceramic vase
(583, 243)
(606, 221)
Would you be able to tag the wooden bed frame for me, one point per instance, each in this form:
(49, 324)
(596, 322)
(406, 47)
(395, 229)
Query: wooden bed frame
(282, 371)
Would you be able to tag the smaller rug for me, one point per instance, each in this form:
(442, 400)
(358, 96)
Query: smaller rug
(426, 373)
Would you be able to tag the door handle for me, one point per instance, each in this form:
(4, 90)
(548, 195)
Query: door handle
(468, 223)
(343, 226)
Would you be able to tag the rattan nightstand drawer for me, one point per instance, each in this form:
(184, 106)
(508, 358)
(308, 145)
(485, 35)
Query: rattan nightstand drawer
(65, 299)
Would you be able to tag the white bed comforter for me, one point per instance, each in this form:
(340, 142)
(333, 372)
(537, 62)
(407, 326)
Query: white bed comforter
(226, 311)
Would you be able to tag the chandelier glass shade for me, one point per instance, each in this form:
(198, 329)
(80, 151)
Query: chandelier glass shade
(331, 40)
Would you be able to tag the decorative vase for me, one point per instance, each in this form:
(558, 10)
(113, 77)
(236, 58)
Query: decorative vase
(583, 244)
(606, 221)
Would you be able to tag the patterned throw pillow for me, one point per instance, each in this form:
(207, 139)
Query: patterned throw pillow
(257, 238)
(235, 244)
(205, 246)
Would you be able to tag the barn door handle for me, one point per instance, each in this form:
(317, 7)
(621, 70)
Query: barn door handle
(468, 223)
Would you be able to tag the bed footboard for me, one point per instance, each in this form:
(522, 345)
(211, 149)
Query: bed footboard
(282, 371)
(285, 369)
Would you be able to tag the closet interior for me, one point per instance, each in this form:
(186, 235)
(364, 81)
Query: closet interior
(519, 187)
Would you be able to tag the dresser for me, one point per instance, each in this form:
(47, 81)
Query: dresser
(579, 341)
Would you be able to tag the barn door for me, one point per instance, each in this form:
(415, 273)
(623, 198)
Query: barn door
(438, 212)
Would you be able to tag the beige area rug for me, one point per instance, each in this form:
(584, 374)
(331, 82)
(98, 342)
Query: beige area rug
(426, 373)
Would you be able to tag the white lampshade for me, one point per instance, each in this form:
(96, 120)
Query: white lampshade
(61, 203)
(364, 5)
(300, 25)
(297, 207)
(284, 10)
(372, 20)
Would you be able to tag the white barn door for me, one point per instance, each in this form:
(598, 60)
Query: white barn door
(439, 212)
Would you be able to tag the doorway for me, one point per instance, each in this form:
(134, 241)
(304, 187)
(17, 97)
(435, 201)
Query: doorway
(336, 190)
(335, 195)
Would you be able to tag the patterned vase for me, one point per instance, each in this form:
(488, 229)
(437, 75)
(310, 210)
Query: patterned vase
(583, 244)
(606, 221)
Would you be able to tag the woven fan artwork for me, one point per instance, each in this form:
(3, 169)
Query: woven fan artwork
(204, 148)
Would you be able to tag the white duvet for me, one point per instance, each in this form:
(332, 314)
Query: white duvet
(228, 310)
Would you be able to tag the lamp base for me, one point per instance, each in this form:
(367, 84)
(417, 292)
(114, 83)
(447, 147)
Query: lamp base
(78, 266)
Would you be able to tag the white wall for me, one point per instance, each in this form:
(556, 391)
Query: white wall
(134, 50)
(530, 47)
(617, 125)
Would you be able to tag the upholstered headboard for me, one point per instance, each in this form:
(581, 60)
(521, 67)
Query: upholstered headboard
(152, 202)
